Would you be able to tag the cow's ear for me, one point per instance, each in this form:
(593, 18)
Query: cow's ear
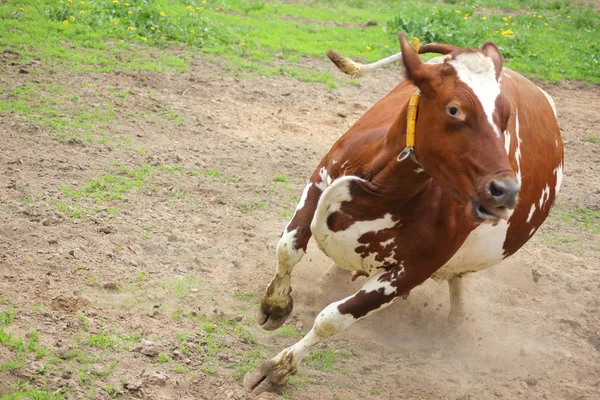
(416, 70)
(492, 51)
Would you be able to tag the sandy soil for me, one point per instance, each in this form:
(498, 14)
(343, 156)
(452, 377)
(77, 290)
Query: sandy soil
(190, 245)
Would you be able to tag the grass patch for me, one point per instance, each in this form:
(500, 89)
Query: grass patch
(552, 40)
(324, 360)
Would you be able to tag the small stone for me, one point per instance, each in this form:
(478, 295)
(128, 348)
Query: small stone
(239, 318)
(299, 326)
(153, 377)
(531, 381)
(148, 348)
(52, 241)
(133, 385)
(107, 229)
(110, 286)
(66, 374)
(172, 238)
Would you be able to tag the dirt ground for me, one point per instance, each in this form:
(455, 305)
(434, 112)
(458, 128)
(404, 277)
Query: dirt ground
(197, 243)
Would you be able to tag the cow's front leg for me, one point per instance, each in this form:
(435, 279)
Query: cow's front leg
(457, 304)
(377, 293)
(277, 303)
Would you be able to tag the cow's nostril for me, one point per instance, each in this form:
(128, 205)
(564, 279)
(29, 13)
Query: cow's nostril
(496, 189)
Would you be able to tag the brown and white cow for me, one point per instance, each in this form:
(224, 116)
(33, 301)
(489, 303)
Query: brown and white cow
(483, 175)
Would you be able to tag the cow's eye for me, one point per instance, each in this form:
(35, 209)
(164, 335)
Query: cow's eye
(453, 111)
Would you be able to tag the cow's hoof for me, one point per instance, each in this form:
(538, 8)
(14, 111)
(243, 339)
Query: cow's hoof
(270, 376)
(271, 317)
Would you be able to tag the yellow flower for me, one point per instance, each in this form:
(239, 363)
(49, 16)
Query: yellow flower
(115, 21)
(545, 24)
(386, 46)
(588, 30)
(82, 2)
(69, 1)
(153, 28)
(126, 4)
(568, 16)
(131, 28)
(467, 15)
(162, 14)
(144, 38)
(217, 9)
(203, 1)
(458, 12)
(115, 1)
(21, 9)
(72, 18)
(504, 19)
(539, 16)
(189, 7)
(159, 31)
(193, 11)
(65, 22)
(368, 48)
(484, 18)
(139, 8)
(81, 12)
(528, 13)
(129, 12)
(192, 31)
(510, 17)
(507, 33)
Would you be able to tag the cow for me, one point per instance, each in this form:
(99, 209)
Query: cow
(450, 173)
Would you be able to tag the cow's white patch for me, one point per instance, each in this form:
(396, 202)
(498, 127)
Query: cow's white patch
(507, 141)
(325, 179)
(287, 253)
(532, 231)
(518, 149)
(531, 211)
(419, 170)
(479, 73)
(387, 242)
(340, 246)
(334, 162)
(483, 248)
(545, 196)
(302, 201)
(507, 75)
(550, 100)
(559, 177)
(344, 164)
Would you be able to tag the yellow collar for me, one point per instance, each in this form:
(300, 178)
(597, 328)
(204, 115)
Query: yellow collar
(411, 120)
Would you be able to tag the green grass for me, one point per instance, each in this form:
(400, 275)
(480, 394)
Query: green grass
(324, 360)
(552, 40)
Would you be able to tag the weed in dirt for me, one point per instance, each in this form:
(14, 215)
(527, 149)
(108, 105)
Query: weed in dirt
(281, 178)
(584, 218)
(163, 358)
(593, 139)
(376, 391)
(180, 369)
(248, 360)
(23, 391)
(288, 330)
(182, 286)
(324, 360)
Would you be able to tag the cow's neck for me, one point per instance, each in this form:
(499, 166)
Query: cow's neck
(405, 179)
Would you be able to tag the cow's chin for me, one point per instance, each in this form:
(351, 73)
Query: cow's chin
(483, 214)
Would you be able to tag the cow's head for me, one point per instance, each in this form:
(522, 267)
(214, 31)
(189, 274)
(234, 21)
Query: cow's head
(461, 116)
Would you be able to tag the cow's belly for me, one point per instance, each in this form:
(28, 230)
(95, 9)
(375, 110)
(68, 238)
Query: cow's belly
(483, 248)
(343, 247)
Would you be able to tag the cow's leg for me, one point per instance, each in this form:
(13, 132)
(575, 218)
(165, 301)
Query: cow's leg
(457, 305)
(277, 304)
(377, 293)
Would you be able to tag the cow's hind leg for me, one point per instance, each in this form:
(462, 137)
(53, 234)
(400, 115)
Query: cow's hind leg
(377, 293)
(457, 304)
(277, 303)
